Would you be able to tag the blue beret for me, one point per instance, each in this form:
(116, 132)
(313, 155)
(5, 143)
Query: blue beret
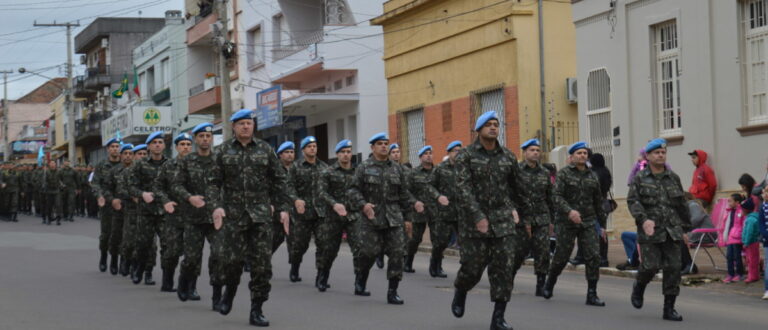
(655, 144)
(286, 146)
(182, 137)
(140, 147)
(126, 146)
(531, 142)
(204, 127)
(155, 135)
(452, 145)
(424, 149)
(484, 118)
(577, 146)
(343, 144)
(393, 146)
(112, 140)
(377, 137)
(242, 114)
(307, 140)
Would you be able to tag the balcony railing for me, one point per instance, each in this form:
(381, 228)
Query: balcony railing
(92, 125)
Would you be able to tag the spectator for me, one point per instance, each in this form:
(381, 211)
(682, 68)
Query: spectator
(606, 181)
(734, 223)
(750, 238)
(758, 190)
(749, 187)
(763, 225)
(704, 183)
(629, 239)
(699, 219)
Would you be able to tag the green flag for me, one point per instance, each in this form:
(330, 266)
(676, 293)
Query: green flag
(123, 87)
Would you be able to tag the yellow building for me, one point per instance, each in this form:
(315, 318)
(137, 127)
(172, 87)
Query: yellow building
(447, 62)
(59, 115)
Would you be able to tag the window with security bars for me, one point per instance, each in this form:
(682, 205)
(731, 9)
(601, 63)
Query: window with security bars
(486, 100)
(411, 130)
(599, 115)
(667, 77)
(754, 42)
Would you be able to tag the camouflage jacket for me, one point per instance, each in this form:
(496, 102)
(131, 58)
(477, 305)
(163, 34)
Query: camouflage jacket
(69, 178)
(161, 187)
(661, 198)
(141, 179)
(580, 191)
(247, 180)
(12, 180)
(99, 174)
(27, 183)
(333, 187)
(489, 188)
(113, 182)
(83, 180)
(192, 177)
(538, 192)
(52, 181)
(420, 183)
(303, 177)
(445, 182)
(383, 184)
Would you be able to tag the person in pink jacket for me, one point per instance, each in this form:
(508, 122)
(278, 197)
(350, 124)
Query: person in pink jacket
(734, 223)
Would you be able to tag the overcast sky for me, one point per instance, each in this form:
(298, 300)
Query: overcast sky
(44, 49)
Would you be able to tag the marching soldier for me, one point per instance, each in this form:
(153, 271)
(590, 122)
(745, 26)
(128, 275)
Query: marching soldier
(578, 199)
(82, 186)
(11, 181)
(105, 211)
(52, 186)
(244, 165)
(69, 178)
(446, 222)
(27, 190)
(379, 190)
(39, 195)
(534, 230)
(109, 187)
(128, 248)
(656, 201)
(91, 202)
(489, 185)
(286, 153)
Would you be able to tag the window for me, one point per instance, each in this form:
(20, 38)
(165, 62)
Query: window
(150, 81)
(338, 85)
(410, 129)
(667, 77)
(255, 47)
(350, 81)
(143, 83)
(486, 100)
(755, 40)
(599, 129)
(281, 35)
(447, 117)
(165, 73)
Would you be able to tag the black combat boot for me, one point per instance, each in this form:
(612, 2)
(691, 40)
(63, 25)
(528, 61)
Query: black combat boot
(592, 298)
(459, 300)
(408, 267)
(294, 275)
(540, 280)
(138, 273)
(228, 299)
(102, 260)
(216, 298)
(669, 309)
(392, 296)
(257, 316)
(432, 267)
(439, 268)
(124, 267)
(319, 281)
(182, 290)
(497, 320)
(113, 264)
(148, 278)
(193, 295)
(638, 290)
(361, 280)
(549, 287)
(167, 285)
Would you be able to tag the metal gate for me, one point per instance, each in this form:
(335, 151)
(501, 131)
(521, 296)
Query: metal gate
(599, 130)
(486, 100)
(415, 125)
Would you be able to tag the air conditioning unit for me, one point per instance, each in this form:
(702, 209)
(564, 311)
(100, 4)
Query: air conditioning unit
(83, 59)
(104, 43)
(570, 90)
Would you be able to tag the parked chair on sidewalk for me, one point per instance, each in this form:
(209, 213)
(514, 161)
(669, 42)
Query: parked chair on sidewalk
(708, 237)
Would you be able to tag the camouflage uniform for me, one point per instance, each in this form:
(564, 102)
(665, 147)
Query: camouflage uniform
(278, 231)
(420, 184)
(538, 215)
(10, 194)
(27, 189)
(303, 178)
(52, 186)
(150, 216)
(130, 219)
(489, 188)
(659, 197)
(37, 183)
(100, 173)
(333, 185)
(109, 185)
(238, 179)
(173, 226)
(68, 194)
(447, 218)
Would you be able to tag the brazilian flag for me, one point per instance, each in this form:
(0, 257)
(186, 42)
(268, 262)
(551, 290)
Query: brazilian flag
(123, 87)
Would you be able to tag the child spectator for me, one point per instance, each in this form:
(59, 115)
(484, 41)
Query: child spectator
(750, 238)
(734, 223)
(763, 224)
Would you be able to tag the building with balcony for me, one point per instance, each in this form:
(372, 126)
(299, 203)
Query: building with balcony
(31, 110)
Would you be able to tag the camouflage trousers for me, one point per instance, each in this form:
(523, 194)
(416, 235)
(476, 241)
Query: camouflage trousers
(537, 244)
(374, 241)
(147, 228)
(440, 234)
(300, 234)
(664, 256)
(116, 237)
(25, 201)
(328, 241)
(52, 206)
(105, 215)
(412, 245)
(195, 236)
(173, 234)
(68, 202)
(236, 241)
(10, 202)
(496, 253)
(587, 236)
(130, 234)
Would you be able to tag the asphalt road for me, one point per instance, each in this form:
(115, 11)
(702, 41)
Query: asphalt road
(49, 280)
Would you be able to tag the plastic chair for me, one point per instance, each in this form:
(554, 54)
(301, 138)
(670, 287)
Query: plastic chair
(711, 233)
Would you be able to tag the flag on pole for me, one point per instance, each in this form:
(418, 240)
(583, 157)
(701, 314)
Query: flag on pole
(40, 155)
(136, 82)
(119, 138)
(123, 88)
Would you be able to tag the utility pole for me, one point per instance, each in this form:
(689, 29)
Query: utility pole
(221, 46)
(543, 85)
(6, 154)
(69, 90)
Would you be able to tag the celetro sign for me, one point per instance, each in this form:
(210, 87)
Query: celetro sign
(137, 121)
(269, 111)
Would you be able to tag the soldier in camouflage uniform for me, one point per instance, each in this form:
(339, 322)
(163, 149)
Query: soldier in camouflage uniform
(446, 222)
(82, 186)
(578, 199)
(489, 193)
(91, 202)
(244, 166)
(109, 187)
(37, 182)
(130, 219)
(52, 185)
(656, 201)
(105, 211)
(188, 186)
(333, 185)
(173, 227)
(69, 178)
(11, 181)
(286, 153)
(534, 230)
(27, 190)
(303, 176)
(379, 190)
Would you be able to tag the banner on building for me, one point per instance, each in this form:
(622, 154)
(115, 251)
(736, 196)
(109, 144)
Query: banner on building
(269, 110)
(27, 147)
(137, 121)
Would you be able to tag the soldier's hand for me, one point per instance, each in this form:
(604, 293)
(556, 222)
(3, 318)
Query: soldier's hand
(409, 229)
(340, 209)
(648, 227)
(148, 197)
(116, 204)
(443, 200)
(197, 201)
(218, 218)
(574, 216)
(135, 200)
(419, 207)
(101, 201)
(170, 207)
(286, 221)
(528, 230)
(368, 211)
(482, 226)
(299, 204)
(516, 216)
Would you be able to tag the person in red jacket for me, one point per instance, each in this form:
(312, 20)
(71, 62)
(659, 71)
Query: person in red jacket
(704, 183)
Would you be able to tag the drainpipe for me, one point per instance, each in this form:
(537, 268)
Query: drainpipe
(542, 87)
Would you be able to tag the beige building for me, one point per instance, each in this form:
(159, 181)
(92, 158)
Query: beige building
(30, 110)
